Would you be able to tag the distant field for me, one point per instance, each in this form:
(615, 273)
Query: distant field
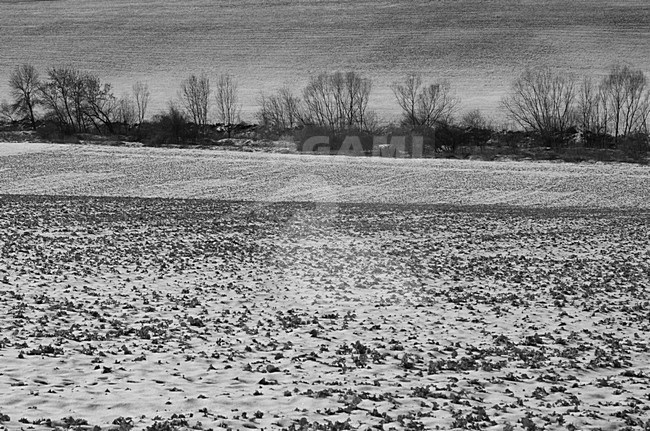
(261, 177)
(479, 46)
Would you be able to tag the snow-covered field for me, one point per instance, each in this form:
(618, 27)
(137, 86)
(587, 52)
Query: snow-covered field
(183, 173)
(303, 291)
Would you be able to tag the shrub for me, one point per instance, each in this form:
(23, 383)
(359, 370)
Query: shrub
(635, 146)
(168, 128)
(542, 101)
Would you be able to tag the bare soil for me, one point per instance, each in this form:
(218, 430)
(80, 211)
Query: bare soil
(163, 313)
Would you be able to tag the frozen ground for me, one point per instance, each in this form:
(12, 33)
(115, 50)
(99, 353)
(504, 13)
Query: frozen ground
(159, 313)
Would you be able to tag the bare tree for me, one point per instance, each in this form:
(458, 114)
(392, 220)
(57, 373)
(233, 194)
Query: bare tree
(356, 98)
(127, 112)
(424, 106)
(100, 105)
(406, 94)
(281, 111)
(436, 104)
(292, 107)
(645, 116)
(60, 95)
(141, 96)
(619, 105)
(24, 83)
(627, 99)
(475, 119)
(338, 100)
(7, 112)
(591, 112)
(227, 98)
(320, 101)
(78, 100)
(542, 101)
(195, 96)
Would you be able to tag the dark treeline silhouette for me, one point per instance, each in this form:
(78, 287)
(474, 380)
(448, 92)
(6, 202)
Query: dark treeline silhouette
(68, 101)
(556, 114)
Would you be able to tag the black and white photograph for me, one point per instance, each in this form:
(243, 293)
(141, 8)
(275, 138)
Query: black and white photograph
(324, 215)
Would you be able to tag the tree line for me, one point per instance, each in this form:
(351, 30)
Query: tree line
(80, 102)
(546, 103)
(74, 100)
(552, 103)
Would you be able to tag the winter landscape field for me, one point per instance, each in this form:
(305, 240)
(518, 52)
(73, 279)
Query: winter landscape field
(163, 275)
(167, 289)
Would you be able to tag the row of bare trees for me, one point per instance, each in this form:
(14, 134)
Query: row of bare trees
(333, 100)
(79, 101)
(75, 100)
(339, 101)
(195, 94)
(424, 105)
(544, 101)
(551, 103)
